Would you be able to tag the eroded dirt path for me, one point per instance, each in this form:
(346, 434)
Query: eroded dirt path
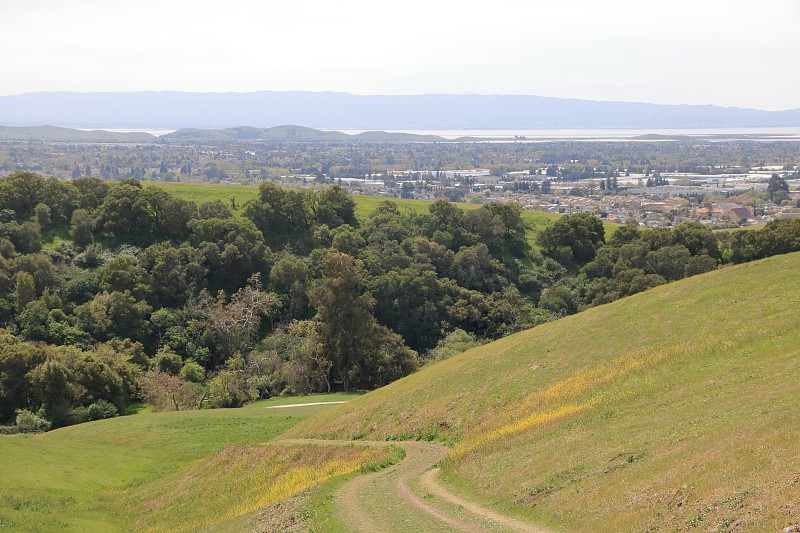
(409, 496)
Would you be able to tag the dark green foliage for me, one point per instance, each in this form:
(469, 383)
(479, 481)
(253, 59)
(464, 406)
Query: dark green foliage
(167, 361)
(778, 237)
(334, 207)
(215, 209)
(133, 213)
(777, 188)
(22, 192)
(101, 410)
(280, 213)
(115, 315)
(81, 227)
(172, 273)
(573, 238)
(92, 192)
(363, 353)
(698, 239)
(17, 360)
(56, 381)
(232, 249)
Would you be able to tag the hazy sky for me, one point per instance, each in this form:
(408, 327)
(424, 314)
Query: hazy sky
(742, 53)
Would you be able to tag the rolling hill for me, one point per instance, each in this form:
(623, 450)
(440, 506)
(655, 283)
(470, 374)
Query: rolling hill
(674, 409)
(291, 133)
(58, 134)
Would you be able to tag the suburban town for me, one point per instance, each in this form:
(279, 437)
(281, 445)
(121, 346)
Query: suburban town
(723, 201)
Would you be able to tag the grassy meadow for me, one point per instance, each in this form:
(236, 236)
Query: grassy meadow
(674, 409)
(152, 471)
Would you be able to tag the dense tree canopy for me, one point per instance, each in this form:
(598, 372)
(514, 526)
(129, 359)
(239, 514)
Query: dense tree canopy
(185, 306)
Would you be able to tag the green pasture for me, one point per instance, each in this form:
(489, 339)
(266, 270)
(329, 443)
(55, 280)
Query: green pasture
(75, 478)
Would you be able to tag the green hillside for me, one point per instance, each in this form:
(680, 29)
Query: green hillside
(146, 472)
(674, 409)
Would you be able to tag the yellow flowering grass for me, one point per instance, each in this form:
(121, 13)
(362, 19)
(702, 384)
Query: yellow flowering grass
(583, 390)
(240, 480)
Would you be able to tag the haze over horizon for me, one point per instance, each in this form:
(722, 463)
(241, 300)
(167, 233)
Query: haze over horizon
(357, 94)
(725, 53)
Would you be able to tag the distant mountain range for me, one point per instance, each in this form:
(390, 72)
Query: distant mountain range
(328, 110)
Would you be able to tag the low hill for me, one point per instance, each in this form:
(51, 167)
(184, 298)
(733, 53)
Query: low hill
(57, 134)
(674, 409)
(291, 133)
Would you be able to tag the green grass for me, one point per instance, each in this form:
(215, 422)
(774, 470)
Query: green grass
(73, 478)
(672, 409)
(210, 192)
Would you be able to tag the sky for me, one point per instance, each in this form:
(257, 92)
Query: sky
(741, 53)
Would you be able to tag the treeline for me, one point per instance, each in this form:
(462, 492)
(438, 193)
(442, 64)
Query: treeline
(111, 295)
(633, 260)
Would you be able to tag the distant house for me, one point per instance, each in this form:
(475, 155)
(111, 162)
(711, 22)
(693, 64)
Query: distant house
(740, 214)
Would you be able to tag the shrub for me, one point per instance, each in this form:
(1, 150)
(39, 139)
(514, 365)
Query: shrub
(193, 372)
(168, 361)
(227, 389)
(455, 342)
(29, 421)
(101, 410)
(91, 257)
(79, 415)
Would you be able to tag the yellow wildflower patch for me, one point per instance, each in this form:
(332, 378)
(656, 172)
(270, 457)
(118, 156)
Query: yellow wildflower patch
(240, 480)
(583, 390)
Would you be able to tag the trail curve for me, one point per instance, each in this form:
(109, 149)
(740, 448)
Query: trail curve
(408, 496)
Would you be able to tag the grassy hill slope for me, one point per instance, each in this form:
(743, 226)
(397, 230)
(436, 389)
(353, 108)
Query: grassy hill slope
(674, 409)
(177, 471)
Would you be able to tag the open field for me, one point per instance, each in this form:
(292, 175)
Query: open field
(674, 409)
(124, 473)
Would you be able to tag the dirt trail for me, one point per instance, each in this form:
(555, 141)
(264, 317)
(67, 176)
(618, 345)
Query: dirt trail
(409, 497)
